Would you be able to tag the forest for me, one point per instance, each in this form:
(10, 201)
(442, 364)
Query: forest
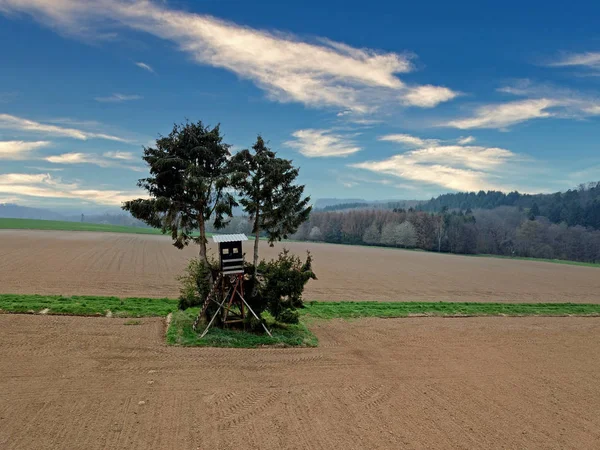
(555, 226)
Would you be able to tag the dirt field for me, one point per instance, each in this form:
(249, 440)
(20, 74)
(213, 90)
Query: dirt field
(68, 382)
(71, 263)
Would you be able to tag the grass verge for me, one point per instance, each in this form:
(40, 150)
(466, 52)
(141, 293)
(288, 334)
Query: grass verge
(87, 305)
(181, 333)
(32, 224)
(351, 310)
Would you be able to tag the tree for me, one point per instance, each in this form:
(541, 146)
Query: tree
(268, 194)
(407, 236)
(534, 211)
(390, 234)
(315, 234)
(189, 172)
(371, 235)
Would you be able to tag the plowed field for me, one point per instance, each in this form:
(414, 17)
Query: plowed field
(83, 263)
(95, 383)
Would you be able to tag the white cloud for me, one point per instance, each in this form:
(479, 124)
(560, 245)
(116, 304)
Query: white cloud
(587, 59)
(144, 66)
(428, 96)
(456, 167)
(408, 140)
(506, 114)
(466, 140)
(315, 143)
(46, 186)
(20, 150)
(118, 98)
(322, 73)
(20, 124)
(127, 156)
(95, 159)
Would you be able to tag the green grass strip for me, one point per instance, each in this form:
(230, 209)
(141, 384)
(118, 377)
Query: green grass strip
(351, 310)
(181, 333)
(555, 261)
(31, 224)
(87, 305)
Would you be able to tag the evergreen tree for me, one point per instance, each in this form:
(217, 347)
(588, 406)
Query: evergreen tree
(186, 186)
(265, 184)
(534, 211)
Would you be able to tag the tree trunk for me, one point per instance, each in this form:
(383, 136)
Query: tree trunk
(202, 228)
(256, 242)
(204, 259)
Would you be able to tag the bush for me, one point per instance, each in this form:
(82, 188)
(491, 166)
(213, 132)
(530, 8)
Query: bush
(281, 283)
(276, 289)
(195, 284)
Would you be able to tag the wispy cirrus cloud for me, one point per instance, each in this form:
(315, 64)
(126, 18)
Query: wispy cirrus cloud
(541, 101)
(44, 185)
(10, 122)
(118, 98)
(20, 150)
(456, 167)
(408, 140)
(126, 156)
(590, 60)
(503, 115)
(315, 143)
(144, 66)
(321, 73)
(108, 159)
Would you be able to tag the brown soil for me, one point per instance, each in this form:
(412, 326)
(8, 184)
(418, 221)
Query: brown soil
(71, 263)
(68, 382)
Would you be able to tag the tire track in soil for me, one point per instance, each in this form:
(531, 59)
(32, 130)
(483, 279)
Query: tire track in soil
(414, 383)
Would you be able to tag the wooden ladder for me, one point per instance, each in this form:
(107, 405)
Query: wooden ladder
(209, 298)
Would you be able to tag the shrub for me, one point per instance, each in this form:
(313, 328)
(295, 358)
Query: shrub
(281, 283)
(195, 284)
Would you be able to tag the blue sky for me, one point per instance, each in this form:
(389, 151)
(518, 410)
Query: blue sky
(377, 100)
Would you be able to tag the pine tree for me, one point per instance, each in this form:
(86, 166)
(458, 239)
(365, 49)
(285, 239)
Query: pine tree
(265, 184)
(189, 172)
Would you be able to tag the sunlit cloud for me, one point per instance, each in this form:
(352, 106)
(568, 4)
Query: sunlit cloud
(45, 185)
(505, 114)
(10, 122)
(456, 167)
(314, 143)
(20, 150)
(428, 96)
(317, 73)
(408, 140)
(115, 159)
(586, 59)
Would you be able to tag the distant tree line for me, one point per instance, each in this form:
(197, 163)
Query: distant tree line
(504, 230)
(575, 207)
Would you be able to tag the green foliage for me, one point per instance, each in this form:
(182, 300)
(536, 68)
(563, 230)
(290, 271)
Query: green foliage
(352, 310)
(265, 184)
(282, 283)
(88, 305)
(189, 171)
(32, 224)
(180, 332)
(195, 282)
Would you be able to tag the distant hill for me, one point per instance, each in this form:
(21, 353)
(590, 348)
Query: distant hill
(9, 210)
(113, 217)
(326, 202)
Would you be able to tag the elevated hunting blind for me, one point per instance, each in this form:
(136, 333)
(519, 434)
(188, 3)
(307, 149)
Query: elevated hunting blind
(231, 257)
(228, 288)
